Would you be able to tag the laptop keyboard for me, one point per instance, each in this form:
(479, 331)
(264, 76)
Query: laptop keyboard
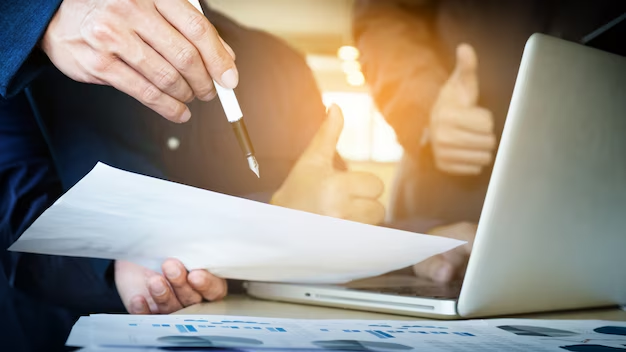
(426, 290)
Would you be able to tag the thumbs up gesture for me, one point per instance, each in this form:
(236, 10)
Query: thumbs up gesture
(313, 184)
(462, 136)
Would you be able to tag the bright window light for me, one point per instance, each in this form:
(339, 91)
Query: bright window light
(348, 53)
(349, 67)
(355, 79)
(366, 135)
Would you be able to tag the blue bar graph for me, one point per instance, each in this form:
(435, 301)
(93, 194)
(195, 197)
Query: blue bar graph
(191, 328)
(281, 330)
(385, 334)
(181, 328)
(380, 334)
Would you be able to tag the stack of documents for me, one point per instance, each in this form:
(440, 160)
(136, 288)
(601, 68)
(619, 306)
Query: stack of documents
(186, 332)
(114, 214)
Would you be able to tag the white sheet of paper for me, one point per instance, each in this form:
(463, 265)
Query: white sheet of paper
(260, 334)
(115, 214)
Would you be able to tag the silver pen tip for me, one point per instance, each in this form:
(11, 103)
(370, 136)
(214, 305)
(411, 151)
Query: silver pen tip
(254, 165)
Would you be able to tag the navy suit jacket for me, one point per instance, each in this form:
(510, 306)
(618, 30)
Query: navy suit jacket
(22, 24)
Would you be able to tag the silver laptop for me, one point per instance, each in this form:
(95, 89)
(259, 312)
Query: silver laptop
(552, 233)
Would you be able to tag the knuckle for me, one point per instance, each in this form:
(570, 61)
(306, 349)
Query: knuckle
(100, 32)
(102, 63)
(167, 78)
(198, 26)
(186, 57)
(120, 7)
(150, 94)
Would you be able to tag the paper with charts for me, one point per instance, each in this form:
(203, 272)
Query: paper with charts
(184, 332)
(114, 214)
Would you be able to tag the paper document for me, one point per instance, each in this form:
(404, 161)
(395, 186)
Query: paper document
(261, 334)
(116, 214)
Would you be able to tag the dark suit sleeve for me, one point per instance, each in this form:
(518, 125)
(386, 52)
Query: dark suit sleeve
(22, 24)
(400, 61)
(40, 294)
(28, 324)
(28, 185)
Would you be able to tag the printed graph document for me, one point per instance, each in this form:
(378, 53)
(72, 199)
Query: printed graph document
(123, 332)
(115, 214)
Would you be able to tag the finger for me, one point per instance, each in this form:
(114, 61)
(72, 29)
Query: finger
(464, 156)
(163, 296)
(139, 305)
(361, 184)
(366, 211)
(458, 259)
(122, 77)
(229, 49)
(449, 136)
(192, 24)
(176, 275)
(475, 119)
(465, 75)
(323, 146)
(179, 52)
(212, 288)
(459, 169)
(436, 269)
(143, 59)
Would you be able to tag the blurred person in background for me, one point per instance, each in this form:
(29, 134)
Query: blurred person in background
(442, 74)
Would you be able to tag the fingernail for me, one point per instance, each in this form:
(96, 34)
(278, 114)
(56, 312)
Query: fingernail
(157, 288)
(185, 116)
(443, 274)
(172, 272)
(230, 79)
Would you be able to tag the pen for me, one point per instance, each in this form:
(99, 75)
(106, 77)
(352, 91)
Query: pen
(235, 117)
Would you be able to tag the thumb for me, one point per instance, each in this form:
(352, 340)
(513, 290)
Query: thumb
(324, 143)
(465, 75)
